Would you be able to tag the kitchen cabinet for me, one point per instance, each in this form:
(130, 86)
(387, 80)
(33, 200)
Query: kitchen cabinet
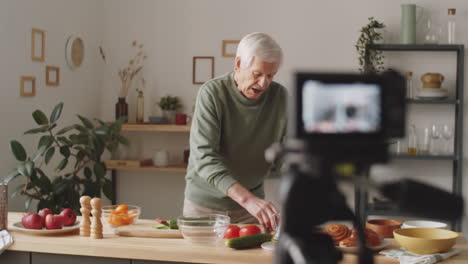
(135, 128)
(363, 207)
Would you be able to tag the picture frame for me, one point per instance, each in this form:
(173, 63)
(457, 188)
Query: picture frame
(74, 51)
(202, 73)
(37, 44)
(229, 48)
(25, 91)
(52, 76)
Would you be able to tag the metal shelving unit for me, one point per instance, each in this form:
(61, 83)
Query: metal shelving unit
(363, 207)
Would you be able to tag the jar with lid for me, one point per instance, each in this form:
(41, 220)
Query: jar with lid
(451, 26)
(409, 85)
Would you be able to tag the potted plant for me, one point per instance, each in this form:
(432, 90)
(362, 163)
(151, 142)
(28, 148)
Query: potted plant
(370, 34)
(80, 170)
(169, 105)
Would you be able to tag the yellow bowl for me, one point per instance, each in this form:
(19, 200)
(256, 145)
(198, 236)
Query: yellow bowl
(425, 240)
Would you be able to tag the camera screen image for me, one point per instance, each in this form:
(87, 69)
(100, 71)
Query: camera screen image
(340, 108)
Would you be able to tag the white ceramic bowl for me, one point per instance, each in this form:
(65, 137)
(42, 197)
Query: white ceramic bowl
(423, 224)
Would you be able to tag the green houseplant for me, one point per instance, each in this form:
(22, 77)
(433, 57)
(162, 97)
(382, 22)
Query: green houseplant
(169, 105)
(370, 34)
(80, 146)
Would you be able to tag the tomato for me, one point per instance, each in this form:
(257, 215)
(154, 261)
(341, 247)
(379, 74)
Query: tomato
(232, 232)
(249, 230)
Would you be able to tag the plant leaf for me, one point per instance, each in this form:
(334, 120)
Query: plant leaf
(65, 151)
(29, 165)
(99, 170)
(55, 115)
(102, 130)
(37, 130)
(18, 150)
(27, 203)
(65, 130)
(40, 117)
(49, 154)
(86, 122)
(122, 140)
(39, 152)
(62, 164)
(17, 189)
(45, 141)
(22, 170)
(87, 172)
(11, 176)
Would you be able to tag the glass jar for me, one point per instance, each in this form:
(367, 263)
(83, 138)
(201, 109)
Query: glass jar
(409, 85)
(412, 141)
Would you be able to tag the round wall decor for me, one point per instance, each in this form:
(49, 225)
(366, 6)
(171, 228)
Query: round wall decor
(74, 51)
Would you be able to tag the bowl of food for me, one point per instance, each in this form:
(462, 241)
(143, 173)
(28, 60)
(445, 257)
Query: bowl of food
(120, 215)
(207, 229)
(423, 224)
(383, 227)
(425, 240)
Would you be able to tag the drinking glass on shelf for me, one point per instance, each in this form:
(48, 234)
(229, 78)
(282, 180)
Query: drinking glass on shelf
(435, 136)
(426, 141)
(447, 134)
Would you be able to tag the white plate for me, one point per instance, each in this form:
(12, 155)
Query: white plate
(269, 245)
(384, 244)
(19, 227)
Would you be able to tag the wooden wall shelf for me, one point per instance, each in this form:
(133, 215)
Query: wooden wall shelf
(172, 168)
(152, 127)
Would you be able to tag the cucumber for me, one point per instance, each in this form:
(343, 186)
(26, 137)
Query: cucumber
(249, 241)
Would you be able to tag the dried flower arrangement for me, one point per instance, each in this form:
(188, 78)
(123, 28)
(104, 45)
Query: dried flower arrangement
(134, 67)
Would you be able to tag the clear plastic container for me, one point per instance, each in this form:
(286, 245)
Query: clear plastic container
(409, 85)
(207, 229)
(412, 141)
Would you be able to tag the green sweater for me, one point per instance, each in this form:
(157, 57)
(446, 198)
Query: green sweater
(228, 139)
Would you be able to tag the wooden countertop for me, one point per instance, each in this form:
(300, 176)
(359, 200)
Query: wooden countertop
(160, 249)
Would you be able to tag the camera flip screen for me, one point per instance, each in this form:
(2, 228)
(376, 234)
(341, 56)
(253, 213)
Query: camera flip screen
(341, 108)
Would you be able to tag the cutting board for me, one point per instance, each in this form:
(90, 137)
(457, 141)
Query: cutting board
(143, 228)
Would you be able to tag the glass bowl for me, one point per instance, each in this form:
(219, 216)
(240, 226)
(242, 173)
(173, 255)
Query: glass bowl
(120, 215)
(207, 229)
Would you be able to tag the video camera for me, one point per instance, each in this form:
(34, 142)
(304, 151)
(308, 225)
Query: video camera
(339, 119)
(352, 113)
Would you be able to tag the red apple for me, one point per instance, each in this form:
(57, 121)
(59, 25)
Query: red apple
(54, 222)
(69, 217)
(32, 221)
(43, 213)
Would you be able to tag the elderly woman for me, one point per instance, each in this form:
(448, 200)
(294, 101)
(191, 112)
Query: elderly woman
(237, 117)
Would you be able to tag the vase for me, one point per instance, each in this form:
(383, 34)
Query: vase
(121, 108)
(140, 108)
(169, 115)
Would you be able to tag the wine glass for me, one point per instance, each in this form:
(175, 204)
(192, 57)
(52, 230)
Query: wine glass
(447, 134)
(435, 136)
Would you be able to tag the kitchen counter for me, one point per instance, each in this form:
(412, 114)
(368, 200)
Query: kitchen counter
(159, 249)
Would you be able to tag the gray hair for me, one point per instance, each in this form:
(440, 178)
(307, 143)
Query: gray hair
(258, 45)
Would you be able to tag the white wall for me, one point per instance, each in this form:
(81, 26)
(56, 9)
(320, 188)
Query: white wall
(78, 89)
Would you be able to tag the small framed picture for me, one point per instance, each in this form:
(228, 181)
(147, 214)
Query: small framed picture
(37, 44)
(230, 48)
(27, 86)
(203, 69)
(52, 76)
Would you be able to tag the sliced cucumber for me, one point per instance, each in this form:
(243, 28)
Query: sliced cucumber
(249, 241)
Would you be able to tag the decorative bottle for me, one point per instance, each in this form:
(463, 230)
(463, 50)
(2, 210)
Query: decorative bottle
(140, 108)
(451, 26)
(121, 108)
(412, 141)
